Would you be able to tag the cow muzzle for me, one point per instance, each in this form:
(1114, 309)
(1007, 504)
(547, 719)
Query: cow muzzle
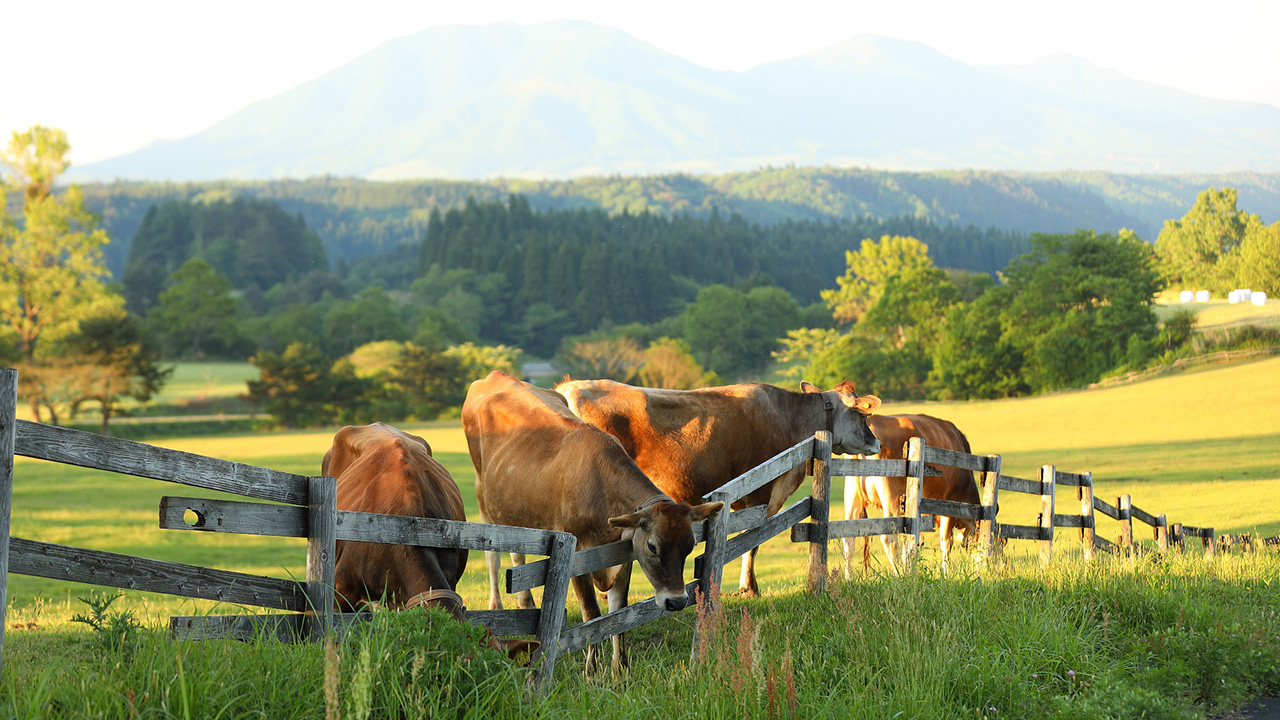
(671, 602)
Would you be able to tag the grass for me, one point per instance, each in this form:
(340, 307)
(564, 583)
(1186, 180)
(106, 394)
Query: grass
(1218, 314)
(1202, 447)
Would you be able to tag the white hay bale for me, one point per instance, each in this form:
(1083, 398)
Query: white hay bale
(1234, 297)
(1202, 296)
(1186, 296)
(1258, 298)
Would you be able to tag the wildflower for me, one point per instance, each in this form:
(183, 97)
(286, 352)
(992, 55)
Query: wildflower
(1035, 676)
(1071, 673)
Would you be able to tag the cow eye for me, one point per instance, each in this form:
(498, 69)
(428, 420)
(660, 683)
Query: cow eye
(653, 549)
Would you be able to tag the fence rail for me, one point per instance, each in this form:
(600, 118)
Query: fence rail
(307, 509)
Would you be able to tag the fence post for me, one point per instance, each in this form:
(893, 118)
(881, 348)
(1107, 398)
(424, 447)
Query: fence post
(715, 534)
(1125, 504)
(1088, 530)
(988, 527)
(8, 433)
(1048, 484)
(911, 504)
(1210, 542)
(1175, 535)
(555, 594)
(1162, 534)
(819, 512)
(322, 540)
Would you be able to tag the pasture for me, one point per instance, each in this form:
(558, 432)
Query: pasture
(1202, 447)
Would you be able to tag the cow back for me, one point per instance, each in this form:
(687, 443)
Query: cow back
(895, 431)
(380, 469)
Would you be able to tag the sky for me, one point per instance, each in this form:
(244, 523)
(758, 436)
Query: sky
(118, 75)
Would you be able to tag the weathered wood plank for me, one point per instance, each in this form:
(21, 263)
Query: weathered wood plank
(1103, 544)
(1068, 478)
(1125, 503)
(772, 527)
(744, 519)
(767, 471)
(1106, 508)
(1084, 493)
(60, 562)
(508, 622)
(866, 527)
(8, 435)
(322, 555)
(951, 508)
(1144, 516)
(1020, 485)
(953, 458)
(1020, 532)
(1048, 480)
(910, 545)
(989, 481)
(868, 467)
(435, 532)
(617, 622)
(533, 574)
(1068, 521)
(82, 449)
(233, 516)
(551, 621)
(819, 510)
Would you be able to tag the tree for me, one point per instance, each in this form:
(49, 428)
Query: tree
(478, 361)
(120, 359)
(1259, 266)
(603, 358)
(733, 333)
(197, 313)
(370, 316)
(867, 270)
(302, 388)
(1201, 249)
(668, 363)
(430, 381)
(51, 268)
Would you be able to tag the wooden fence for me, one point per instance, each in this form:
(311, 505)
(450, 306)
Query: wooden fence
(306, 508)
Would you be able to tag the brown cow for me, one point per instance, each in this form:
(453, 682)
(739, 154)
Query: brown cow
(887, 493)
(539, 466)
(691, 442)
(380, 469)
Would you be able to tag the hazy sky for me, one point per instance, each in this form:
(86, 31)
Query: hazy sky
(117, 75)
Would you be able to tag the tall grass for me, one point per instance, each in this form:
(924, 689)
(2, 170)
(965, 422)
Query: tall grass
(1179, 636)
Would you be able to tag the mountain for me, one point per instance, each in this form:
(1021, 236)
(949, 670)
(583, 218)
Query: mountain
(572, 99)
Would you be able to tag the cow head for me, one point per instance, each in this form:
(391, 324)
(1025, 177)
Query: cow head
(846, 418)
(661, 536)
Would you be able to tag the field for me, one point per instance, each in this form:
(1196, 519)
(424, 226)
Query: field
(1218, 314)
(1202, 447)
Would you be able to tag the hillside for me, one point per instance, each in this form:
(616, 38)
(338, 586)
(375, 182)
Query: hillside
(572, 99)
(355, 218)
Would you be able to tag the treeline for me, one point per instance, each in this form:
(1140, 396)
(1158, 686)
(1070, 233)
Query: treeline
(356, 218)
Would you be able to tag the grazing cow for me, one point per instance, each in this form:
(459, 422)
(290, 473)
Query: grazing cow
(380, 469)
(691, 442)
(539, 466)
(887, 493)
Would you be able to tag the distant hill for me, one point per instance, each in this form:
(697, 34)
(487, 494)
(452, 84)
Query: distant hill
(356, 218)
(571, 99)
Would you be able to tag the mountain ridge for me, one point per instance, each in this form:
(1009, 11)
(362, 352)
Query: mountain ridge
(568, 99)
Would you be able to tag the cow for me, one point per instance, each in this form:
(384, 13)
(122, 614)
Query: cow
(887, 493)
(380, 469)
(690, 442)
(537, 465)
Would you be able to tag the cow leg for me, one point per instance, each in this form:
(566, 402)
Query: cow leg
(585, 590)
(850, 510)
(524, 600)
(618, 600)
(493, 562)
(747, 579)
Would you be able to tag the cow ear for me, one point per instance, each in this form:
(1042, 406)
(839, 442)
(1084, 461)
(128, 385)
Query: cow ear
(705, 511)
(868, 403)
(635, 519)
(808, 387)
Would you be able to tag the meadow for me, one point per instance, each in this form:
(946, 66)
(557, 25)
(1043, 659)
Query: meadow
(1201, 446)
